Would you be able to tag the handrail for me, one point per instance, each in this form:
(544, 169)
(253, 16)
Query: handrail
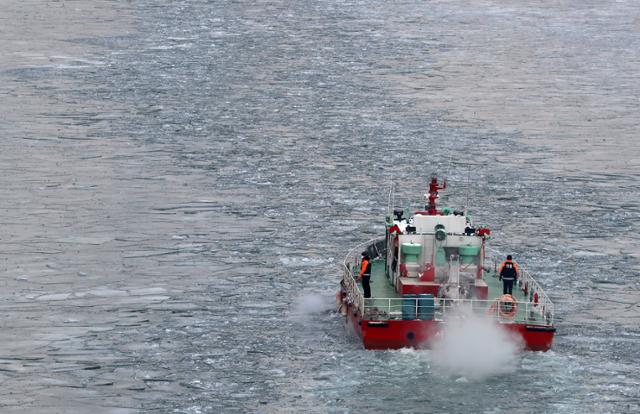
(375, 308)
(351, 254)
(533, 286)
(354, 296)
(439, 310)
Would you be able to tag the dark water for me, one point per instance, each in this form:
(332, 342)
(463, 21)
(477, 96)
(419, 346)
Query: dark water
(181, 182)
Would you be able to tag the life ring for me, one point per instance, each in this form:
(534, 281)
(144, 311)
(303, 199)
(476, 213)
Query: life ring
(504, 306)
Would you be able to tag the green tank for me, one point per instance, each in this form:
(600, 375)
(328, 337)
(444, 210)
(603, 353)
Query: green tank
(468, 253)
(411, 251)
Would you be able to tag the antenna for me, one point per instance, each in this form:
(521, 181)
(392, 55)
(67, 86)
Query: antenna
(466, 201)
(391, 198)
(393, 195)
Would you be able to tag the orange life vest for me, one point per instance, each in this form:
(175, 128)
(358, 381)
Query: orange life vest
(365, 268)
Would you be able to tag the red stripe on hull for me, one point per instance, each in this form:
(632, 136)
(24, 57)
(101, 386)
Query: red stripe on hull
(395, 334)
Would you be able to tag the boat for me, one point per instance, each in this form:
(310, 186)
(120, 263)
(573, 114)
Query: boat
(430, 265)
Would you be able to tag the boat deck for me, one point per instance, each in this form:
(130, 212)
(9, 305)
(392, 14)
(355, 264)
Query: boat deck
(382, 291)
(380, 285)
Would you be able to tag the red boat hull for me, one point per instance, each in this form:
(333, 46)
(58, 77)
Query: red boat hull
(395, 334)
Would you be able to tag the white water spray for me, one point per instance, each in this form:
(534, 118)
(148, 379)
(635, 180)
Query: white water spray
(309, 304)
(475, 347)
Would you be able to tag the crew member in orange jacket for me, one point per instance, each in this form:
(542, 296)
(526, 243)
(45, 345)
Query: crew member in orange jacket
(365, 274)
(509, 273)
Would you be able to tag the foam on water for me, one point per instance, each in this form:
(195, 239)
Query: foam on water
(304, 261)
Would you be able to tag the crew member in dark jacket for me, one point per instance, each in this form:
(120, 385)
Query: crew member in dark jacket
(365, 274)
(508, 274)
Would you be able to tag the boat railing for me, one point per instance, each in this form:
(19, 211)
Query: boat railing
(441, 309)
(532, 311)
(375, 248)
(532, 289)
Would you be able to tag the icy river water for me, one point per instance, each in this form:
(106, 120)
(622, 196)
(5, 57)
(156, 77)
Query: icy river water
(181, 180)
